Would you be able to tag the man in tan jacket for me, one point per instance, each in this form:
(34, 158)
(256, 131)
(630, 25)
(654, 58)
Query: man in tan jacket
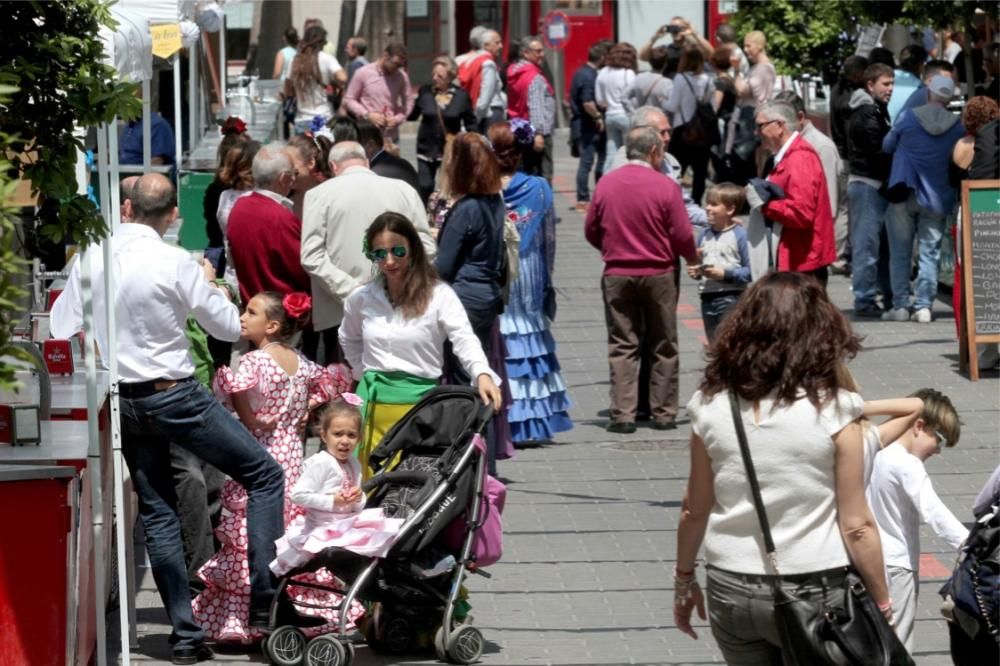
(335, 217)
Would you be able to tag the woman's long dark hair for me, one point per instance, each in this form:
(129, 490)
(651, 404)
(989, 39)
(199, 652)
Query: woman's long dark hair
(783, 337)
(421, 276)
(305, 72)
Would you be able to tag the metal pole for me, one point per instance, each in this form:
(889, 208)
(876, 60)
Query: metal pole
(94, 435)
(193, 107)
(126, 565)
(147, 127)
(224, 101)
(178, 146)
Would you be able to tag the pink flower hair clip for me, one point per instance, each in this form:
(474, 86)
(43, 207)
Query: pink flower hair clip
(352, 399)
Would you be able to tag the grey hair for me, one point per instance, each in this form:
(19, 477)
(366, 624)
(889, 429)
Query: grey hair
(641, 141)
(346, 151)
(526, 42)
(270, 162)
(476, 36)
(640, 117)
(777, 110)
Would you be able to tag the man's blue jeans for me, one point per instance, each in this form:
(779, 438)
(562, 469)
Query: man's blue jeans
(590, 143)
(191, 418)
(906, 220)
(866, 209)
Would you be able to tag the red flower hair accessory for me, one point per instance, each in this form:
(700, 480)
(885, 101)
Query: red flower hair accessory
(233, 125)
(297, 305)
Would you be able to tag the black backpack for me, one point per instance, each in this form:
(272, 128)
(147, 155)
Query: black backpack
(974, 585)
(702, 131)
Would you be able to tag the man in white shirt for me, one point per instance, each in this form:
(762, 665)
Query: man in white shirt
(336, 215)
(901, 498)
(156, 287)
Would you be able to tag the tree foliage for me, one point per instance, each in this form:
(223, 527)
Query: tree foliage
(51, 52)
(814, 36)
(52, 82)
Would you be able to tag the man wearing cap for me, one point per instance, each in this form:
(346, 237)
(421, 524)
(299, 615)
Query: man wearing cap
(921, 141)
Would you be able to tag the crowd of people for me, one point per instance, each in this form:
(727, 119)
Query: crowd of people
(351, 282)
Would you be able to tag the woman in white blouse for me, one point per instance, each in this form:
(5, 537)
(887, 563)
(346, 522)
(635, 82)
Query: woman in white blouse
(611, 92)
(394, 330)
(777, 353)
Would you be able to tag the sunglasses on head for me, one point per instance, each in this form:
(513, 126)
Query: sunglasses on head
(381, 254)
(942, 441)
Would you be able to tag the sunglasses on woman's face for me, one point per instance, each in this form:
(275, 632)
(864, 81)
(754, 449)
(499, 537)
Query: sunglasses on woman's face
(381, 254)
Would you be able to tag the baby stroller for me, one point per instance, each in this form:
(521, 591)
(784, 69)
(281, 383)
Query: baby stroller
(436, 486)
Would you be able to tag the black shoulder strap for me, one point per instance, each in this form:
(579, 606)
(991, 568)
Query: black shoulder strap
(758, 503)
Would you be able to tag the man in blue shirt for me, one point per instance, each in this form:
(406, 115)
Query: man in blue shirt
(587, 125)
(161, 147)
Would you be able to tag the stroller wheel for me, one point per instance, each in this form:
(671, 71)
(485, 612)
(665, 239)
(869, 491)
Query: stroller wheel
(465, 645)
(286, 646)
(349, 654)
(325, 651)
(439, 647)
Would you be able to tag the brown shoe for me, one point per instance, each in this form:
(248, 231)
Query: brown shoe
(582, 206)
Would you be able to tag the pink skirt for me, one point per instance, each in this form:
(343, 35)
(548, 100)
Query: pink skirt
(367, 533)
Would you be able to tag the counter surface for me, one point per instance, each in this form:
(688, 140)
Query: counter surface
(32, 472)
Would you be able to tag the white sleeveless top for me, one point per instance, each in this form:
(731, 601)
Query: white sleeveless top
(793, 455)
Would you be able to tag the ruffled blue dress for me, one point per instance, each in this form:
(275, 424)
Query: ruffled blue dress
(540, 399)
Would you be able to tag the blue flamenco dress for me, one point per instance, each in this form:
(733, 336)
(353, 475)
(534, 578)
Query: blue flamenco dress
(540, 400)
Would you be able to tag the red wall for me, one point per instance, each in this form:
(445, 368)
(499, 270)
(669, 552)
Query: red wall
(583, 32)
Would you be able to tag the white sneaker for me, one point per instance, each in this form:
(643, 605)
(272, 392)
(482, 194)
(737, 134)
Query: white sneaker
(896, 314)
(922, 316)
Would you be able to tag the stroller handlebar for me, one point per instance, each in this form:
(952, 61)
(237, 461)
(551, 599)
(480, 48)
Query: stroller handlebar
(415, 477)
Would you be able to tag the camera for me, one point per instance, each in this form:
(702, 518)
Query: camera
(673, 29)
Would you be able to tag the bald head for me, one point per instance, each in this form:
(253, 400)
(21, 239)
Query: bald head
(125, 188)
(346, 154)
(154, 202)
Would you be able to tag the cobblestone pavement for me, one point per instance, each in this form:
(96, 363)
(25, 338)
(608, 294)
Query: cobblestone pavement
(590, 523)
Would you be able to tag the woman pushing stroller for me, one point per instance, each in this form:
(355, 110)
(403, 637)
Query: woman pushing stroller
(394, 331)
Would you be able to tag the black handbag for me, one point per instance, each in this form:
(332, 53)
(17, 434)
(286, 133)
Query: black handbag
(813, 632)
(974, 585)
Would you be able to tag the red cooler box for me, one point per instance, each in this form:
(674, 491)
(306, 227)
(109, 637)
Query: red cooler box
(36, 564)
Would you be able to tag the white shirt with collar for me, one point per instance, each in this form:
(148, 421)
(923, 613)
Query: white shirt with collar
(377, 336)
(335, 216)
(784, 148)
(157, 286)
(283, 201)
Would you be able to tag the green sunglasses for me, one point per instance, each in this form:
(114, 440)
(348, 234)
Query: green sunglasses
(381, 254)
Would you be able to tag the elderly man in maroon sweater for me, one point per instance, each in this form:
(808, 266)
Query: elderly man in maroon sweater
(265, 237)
(638, 222)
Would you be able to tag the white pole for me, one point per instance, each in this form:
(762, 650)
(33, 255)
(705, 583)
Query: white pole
(94, 435)
(223, 102)
(126, 582)
(178, 146)
(194, 119)
(147, 128)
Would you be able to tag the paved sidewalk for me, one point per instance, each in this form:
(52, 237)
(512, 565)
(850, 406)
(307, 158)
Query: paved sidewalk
(590, 523)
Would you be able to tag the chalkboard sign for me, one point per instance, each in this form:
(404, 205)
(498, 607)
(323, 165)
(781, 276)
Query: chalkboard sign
(980, 267)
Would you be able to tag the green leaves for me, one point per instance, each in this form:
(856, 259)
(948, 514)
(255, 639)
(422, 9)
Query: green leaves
(53, 80)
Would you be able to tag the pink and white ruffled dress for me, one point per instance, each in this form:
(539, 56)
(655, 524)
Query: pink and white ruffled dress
(363, 531)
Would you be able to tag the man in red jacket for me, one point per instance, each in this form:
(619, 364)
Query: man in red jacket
(639, 223)
(794, 195)
(265, 237)
(530, 96)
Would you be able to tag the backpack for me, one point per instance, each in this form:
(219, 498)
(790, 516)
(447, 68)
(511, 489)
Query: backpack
(974, 586)
(702, 131)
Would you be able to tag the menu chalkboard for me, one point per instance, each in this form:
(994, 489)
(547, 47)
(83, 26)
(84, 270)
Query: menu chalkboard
(981, 266)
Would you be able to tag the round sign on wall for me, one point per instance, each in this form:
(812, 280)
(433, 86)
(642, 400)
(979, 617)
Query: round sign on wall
(555, 30)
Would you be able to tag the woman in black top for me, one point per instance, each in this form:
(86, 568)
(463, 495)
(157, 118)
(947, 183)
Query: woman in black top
(443, 108)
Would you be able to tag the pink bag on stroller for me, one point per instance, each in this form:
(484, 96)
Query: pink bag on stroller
(487, 544)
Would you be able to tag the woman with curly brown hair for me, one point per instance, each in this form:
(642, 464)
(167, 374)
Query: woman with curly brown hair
(236, 178)
(978, 112)
(611, 94)
(777, 356)
(312, 71)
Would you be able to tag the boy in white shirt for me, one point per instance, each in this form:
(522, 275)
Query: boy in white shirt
(901, 497)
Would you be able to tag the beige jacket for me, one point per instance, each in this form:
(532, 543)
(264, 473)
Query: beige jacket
(336, 215)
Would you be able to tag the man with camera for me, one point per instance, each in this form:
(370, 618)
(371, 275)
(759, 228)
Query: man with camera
(682, 34)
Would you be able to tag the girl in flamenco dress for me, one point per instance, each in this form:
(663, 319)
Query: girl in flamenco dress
(329, 490)
(272, 393)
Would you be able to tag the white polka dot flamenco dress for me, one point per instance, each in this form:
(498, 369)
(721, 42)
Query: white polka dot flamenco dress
(223, 608)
